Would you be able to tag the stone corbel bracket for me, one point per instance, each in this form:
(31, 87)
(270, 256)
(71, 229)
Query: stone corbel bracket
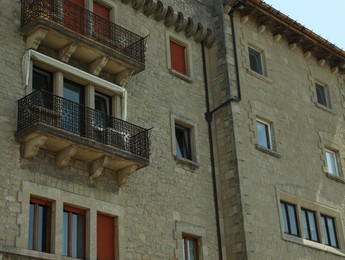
(32, 146)
(158, 11)
(97, 167)
(125, 173)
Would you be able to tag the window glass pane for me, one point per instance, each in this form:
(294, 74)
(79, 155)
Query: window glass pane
(332, 234)
(324, 230)
(305, 224)
(284, 216)
(31, 226)
(65, 234)
(263, 134)
(292, 220)
(255, 61)
(183, 149)
(40, 228)
(312, 225)
(183, 250)
(331, 163)
(80, 236)
(191, 249)
(321, 94)
(74, 235)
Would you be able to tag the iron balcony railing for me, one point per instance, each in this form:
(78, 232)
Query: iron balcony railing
(42, 107)
(84, 22)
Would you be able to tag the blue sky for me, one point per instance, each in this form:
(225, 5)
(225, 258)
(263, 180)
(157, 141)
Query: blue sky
(325, 18)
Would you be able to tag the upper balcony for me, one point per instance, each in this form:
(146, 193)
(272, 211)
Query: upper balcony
(72, 130)
(75, 32)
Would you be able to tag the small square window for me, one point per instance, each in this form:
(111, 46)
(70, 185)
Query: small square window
(256, 61)
(178, 57)
(190, 247)
(264, 134)
(322, 95)
(183, 142)
(289, 218)
(39, 225)
(332, 164)
(329, 231)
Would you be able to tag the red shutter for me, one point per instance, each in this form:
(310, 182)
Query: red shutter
(178, 57)
(105, 237)
(74, 16)
(102, 26)
(101, 11)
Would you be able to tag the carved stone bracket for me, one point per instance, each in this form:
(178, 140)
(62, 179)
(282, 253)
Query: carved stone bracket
(200, 33)
(161, 11)
(66, 52)
(181, 22)
(123, 76)
(35, 39)
(149, 7)
(97, 65)
(123, 175)
(98, 166)
(137, 4)
(170, 17)
(191, 27)
(32, 146)
(64, 156)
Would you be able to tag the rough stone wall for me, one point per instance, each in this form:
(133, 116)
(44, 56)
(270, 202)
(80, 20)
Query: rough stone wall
(301, 130)
(155, 197)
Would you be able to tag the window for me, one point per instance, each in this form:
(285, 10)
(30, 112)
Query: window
(183, 143)
(264, 134)
(101, 19)
(309, 225)
(105, 236)
(315, 225)
(332, 165)
(328, 231)
(39, 225)
(190, 247)
(256, 61)
(103, 106)
(289, 218)
(73, 243)
(178, 57)
(42, 79)
(322, 95)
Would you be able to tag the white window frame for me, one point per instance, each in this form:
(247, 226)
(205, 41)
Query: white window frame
(259, 54)
(335, 162)
(268, 127)
(325, 92)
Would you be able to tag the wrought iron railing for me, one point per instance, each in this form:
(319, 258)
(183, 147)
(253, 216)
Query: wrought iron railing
(84, 22)
(42, 107)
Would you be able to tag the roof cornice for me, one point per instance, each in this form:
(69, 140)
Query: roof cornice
(172, 18)
(294, 32)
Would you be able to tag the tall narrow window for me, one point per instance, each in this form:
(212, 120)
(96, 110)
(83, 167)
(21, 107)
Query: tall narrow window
(256, 61)
(183, 144)
(73, 243)
(106, 243)
(190, 247)
(101, 19)
(39, 225)
(332, 165)
(328, 231)
(264, 134)
(309, 225)
(178, 57)
(74, 15)
(289, 218)
(322, 95)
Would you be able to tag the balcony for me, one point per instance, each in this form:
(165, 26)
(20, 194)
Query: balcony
(74, 32)
(71, 130)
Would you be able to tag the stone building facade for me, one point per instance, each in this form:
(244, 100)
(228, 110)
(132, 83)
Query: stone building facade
(167, 129)
(279, 137)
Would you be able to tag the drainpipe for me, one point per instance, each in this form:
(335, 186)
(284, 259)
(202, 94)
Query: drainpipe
(208, 116)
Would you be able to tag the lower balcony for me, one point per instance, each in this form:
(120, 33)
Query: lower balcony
(72, 130)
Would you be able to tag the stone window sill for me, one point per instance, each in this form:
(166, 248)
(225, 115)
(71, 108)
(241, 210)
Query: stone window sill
(191, 164)
(326, 109)
(336, 178)
(259, 76)
(181, 76)
(268, 151)
(33, 254)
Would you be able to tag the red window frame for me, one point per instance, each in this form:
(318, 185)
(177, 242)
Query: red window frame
(106, 236)
(41, 202)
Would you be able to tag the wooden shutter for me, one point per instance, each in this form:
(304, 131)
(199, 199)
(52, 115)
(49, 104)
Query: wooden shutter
(74, 17)
(102, 26)
(101, 11)
(178, 57)
(105, 237)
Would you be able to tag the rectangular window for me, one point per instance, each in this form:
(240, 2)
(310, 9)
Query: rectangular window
(328, 231)
(39, 225)
(309, 225)
(73, 243)
(264, 134)
(101, 19)
(190, 247)
(256, 61)
(183, 142)
(42, 80)
(178, 57)
(289, 218)
(74, 17)
(106, 243)
(322, 95)
(332, 164)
